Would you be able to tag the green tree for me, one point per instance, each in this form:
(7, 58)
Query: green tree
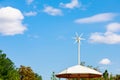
(117, 77)
(106, 75)
(26, 73)
(111, 77)
(53, 76)
(82, 63)
(7, 68)
(38, 77)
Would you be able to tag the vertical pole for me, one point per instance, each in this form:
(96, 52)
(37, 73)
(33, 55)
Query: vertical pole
(79, 52)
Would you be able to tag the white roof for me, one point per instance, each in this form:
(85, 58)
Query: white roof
(78, 69)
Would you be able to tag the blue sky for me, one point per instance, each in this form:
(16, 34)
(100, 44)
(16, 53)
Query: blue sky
(38, 33)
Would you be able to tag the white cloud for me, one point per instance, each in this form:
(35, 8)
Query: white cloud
(109, 37)
(113, 27)
(29, 1)
(11, 21)
(52, 11)
(97, 18)
(31, 13)
(71, 5)
(105, 61)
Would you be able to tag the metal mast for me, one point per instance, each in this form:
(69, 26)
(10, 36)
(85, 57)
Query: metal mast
(78, 40)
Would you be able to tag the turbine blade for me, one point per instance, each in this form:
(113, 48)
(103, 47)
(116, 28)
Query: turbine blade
(76, 34)
(75, 41)
(81, 34)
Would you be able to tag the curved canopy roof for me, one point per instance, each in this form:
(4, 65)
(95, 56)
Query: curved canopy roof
(79, 71)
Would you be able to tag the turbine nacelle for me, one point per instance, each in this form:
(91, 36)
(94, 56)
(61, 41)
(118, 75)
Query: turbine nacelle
(78, 38)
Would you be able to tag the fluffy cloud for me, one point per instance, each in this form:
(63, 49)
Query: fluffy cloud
(31, 13)
(29, 1)
(52, 11)
(105, 61)
(71, 5)
(11, 21)
(97, 18)
(113, 27)
(109, 37)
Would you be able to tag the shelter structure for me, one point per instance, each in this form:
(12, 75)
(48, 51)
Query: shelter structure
(78, 71)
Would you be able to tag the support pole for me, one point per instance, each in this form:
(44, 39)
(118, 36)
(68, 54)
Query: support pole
(78, 52)
(78, 40)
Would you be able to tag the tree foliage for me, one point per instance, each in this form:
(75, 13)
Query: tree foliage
(7, 68)
(38, 77)
(8, 71)
(117, 77)
(53, 76)
(26, 73)
(106, 75)
(90, 66)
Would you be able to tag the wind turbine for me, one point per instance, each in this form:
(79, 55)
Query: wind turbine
(78, 71)
(78, 40)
